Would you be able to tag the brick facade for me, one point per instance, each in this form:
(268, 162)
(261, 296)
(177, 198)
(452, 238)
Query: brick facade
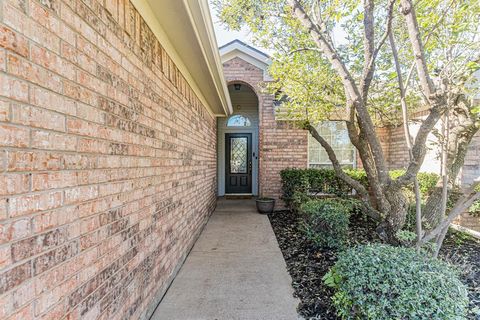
(471, 167)
(281, 145)
(396, 147)
(471, 171)
(107, 162)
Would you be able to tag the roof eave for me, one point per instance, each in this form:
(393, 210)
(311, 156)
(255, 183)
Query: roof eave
(185, 30)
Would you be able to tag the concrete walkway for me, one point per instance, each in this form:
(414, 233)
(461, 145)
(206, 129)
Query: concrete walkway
(235, 271)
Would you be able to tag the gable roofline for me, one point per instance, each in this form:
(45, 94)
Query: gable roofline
(240, 49)
(245, 45)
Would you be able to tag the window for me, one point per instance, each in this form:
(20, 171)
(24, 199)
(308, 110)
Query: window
(336, 134)
(238, 121)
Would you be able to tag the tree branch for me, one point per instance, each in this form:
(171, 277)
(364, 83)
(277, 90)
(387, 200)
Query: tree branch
(437, 101)
(419, 148)
(469, 197)
(408, 137)
(326, 48)
(369, 46)
(427, 38)
(303, 49)
(371, 53)
(336, 164)
(417, 47)
(350, 86)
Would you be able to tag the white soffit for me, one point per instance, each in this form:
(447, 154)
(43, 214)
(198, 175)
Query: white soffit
(185, 30)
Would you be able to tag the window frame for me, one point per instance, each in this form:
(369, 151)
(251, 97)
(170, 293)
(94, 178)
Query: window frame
(328, 164)
(239, 115)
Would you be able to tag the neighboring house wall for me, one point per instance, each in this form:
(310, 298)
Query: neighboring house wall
(280, 144)
(397, 154)
(397, 158)
(471, 171)
(395, 148)
(107, 158)
(471, 167)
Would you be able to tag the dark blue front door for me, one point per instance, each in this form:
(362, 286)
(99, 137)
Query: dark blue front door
(238, 166)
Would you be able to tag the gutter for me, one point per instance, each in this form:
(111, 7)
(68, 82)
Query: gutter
(209, 41)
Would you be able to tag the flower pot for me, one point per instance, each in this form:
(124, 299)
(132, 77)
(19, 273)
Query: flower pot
(265, 205)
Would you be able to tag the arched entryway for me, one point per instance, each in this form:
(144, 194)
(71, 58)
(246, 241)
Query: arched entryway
(238, 143)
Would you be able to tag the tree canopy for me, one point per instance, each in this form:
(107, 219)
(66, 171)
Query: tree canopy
(450, 30)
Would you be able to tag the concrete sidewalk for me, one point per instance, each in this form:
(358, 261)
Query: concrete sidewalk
(235, 271)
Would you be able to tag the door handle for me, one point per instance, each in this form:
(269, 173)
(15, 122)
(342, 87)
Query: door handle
(250, 165)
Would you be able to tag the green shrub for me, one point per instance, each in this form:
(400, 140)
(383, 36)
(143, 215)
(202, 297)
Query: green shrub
(475, 209)
(294, 183)
(426, 181)
(298, 199)
(300, 185)
(315, 181)
(384, 282)
(358, 174)
(325, 222)
(326, 181)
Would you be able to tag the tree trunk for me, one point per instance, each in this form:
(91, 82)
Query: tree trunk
(395, 214)
(433, 208)
(463, 129)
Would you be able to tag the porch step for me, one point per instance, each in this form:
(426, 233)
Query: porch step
(238, 196)
(236, 205)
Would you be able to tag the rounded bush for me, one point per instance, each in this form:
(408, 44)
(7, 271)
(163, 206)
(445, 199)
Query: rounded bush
(325, 222)
(383, 282)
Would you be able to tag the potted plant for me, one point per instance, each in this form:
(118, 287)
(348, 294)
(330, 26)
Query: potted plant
(265, 204)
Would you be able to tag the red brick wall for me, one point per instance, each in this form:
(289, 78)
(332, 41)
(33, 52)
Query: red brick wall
(281, 145)
(107, 162)
(395, 149)
(471, 167)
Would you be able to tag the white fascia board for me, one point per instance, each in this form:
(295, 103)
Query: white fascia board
(199, 13)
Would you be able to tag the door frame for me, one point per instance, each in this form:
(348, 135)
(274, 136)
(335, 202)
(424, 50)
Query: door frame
(221, 157)
(250, 153)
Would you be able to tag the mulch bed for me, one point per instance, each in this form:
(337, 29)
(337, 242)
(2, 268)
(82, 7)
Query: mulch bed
(308, 264)
(464, 251)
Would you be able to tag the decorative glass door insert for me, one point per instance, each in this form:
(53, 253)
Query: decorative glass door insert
(238, 155)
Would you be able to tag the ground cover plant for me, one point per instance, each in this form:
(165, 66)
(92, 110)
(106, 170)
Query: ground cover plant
(378, 281)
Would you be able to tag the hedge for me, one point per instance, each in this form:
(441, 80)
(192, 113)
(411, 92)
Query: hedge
(299, 184)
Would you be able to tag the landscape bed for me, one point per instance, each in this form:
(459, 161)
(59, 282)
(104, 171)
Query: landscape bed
(307, 264)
